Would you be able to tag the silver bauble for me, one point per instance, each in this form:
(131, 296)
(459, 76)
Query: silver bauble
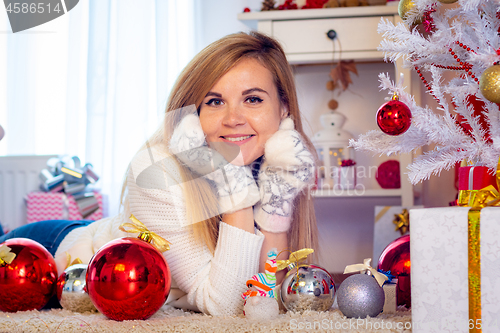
(359, 296)
(71, 289)
(307, 287)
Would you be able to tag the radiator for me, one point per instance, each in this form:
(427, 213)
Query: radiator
(18, 177)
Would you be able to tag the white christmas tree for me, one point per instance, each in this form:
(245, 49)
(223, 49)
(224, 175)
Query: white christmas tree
(436, 37)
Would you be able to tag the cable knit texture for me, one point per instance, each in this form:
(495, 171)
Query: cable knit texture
(213, 283)
(287, 168)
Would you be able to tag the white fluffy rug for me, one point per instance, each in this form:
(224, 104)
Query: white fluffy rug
(169, 319)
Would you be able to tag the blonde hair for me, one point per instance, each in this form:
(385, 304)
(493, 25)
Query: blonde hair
(191, 87)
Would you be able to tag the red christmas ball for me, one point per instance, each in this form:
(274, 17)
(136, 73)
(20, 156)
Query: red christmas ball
(388, 174)
(246, 10)
(396, 259)
(394, 117)
(128, 279)
(29, 281)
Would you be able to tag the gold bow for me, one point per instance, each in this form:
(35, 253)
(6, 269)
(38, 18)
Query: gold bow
(365, 266)
(294, 258)
(74, 262)
(6, 256)
(402, 221)
(137, 226)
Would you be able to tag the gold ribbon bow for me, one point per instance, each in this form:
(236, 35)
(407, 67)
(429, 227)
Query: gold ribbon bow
(137, 226)
(74, 262)
(294, 258)
(6, 256)
(365, 266)
(477, 199)
(402, 221)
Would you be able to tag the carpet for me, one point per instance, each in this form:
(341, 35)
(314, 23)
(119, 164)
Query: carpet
(169, 319)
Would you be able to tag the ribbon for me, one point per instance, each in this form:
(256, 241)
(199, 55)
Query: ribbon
(365, 268)
(65, 174)
(6, 256)
(294, 259)
(402, 221)
(74, 262)
(137, 226)
(477, 199)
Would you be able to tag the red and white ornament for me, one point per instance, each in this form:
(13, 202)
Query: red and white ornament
(394, 117)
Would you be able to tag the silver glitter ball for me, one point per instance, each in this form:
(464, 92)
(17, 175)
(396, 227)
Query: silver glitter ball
(359, 296)
(71, 290)
(307, 287)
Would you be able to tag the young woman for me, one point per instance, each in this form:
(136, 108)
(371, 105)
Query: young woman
(224, 179)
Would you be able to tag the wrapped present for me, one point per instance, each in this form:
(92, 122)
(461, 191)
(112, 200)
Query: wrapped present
(61, 206)
(66, 174)
(475, 177)
(345, 175)
(390, 292)
(442, 298)
(391, 222)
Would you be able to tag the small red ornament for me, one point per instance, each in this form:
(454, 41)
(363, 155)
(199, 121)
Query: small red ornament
(246, 10)
(128, 279)
(394, 117)
(29, 281)
(289, 4)
(388, 174)
(396, 259)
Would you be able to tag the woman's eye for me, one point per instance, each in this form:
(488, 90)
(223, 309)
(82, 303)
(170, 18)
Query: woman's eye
(214, 102)
(254, 100)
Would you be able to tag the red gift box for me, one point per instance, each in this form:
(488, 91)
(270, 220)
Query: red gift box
(58, 206)
(475, 178)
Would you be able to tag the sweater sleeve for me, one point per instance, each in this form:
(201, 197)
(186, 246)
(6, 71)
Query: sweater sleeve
(213, 282)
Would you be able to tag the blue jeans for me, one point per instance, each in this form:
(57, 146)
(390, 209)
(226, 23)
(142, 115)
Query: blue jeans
(48, 233)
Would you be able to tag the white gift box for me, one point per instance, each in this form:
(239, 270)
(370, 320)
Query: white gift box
(345, 177)
(439, 270)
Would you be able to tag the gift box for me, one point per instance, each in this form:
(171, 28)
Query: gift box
(475, 178)
(440, 270)
(60, 206)
(390, 292)
(391, 222)
(345, 177)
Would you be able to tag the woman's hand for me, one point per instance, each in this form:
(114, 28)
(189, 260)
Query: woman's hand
(233, 184)
(288, 167)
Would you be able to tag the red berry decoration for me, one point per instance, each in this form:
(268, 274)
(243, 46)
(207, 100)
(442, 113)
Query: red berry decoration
(394, 117)
(128, 278)
(29, 280)
(396, 259)
(388, 174)
(246, 10)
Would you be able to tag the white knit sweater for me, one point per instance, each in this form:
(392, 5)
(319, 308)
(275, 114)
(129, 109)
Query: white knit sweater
(210, 283)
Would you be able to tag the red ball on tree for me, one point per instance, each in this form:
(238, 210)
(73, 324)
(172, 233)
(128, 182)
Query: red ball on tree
(29, 280)
(396, 259)
(128, 279)
(394, 117)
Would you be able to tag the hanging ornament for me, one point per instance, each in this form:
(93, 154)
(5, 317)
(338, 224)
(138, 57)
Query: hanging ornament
(71, 289)
(489, 84)
(128, 278)
(394, 117)
(333, 104)
(27, 281)
(404, 7)
(395, 259)
(330, 85)
(305, 287)
(360, 296)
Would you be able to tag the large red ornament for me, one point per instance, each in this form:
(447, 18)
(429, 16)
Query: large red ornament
(394, 117)
(29, 281)
(396, 259)
(128, 279)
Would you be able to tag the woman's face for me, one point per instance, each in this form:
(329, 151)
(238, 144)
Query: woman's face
(242, 111)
